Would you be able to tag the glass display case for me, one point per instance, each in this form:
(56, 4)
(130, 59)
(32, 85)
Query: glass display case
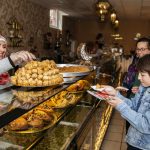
(81, 125)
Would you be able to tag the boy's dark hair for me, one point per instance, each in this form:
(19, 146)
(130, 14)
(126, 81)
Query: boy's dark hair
(143, 64)
(144, 39)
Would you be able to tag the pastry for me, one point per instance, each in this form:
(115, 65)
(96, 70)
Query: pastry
(41, 115)
(19, 124)
(36, 123)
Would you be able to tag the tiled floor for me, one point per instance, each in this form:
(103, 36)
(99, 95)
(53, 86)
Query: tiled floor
(114, 138)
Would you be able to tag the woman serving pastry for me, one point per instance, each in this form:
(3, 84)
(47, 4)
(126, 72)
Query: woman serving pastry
(11, 61)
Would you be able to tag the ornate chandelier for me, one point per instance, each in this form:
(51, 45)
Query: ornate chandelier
(103, 9)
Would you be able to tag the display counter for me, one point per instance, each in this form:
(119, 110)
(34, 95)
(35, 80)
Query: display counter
(81, 125)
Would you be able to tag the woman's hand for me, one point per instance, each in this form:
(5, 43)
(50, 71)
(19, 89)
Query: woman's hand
(135, 89)
(114, 101)
(21, 56)
(110, 90)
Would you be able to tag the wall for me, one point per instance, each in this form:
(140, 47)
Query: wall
(86, 30)
(34, 19)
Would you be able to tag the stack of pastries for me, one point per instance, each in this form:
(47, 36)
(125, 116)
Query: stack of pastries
(36, 73)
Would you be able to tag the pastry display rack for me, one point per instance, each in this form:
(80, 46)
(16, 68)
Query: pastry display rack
(75, 126)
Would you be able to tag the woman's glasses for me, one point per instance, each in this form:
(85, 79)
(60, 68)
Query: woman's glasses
(141, 49)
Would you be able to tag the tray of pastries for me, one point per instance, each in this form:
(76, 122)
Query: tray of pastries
(37, 74)
(36, 120)
(33, 97)
(71, 70)
(63, 99)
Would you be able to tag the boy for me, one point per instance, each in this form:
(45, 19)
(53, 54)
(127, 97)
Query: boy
(137, 110)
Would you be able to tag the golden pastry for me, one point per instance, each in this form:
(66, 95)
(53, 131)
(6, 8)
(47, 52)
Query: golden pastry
(34, 71)
(39, 71)
(45, 77)
(34, 75)
(36, 123)
(42, 115)
(39, 83)
(45, 83)
(39, 77)
(19, 124)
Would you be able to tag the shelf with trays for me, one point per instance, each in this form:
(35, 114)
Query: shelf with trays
(69, 130)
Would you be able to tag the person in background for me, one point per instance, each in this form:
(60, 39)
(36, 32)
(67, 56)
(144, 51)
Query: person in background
(11, 61)
(131, 79)
(100, 40)
(137, 109)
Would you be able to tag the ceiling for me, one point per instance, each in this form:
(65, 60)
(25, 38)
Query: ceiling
(126, 9)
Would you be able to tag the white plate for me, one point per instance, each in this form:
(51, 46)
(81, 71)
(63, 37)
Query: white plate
(97, 89)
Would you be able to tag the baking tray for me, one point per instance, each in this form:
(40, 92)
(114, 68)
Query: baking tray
(73, 74)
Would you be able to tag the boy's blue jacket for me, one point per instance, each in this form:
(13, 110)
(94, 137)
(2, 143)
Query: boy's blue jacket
(139, 117)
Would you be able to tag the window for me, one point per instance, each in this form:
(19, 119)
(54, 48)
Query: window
(56, 18)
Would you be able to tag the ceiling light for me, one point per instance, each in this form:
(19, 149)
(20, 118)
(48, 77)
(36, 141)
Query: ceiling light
(103, 9)
(113, 17)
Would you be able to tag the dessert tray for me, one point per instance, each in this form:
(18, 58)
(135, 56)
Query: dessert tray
(73, 70)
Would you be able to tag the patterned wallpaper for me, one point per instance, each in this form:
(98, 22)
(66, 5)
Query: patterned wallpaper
(33, 17)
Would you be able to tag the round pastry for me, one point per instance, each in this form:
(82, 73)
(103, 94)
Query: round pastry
(28, 76)
(33, 83)
(40, 76)
(39, 71)
(25, 83)
(34, 71)
(34, 75)
(46, 69)
(39, 83)
(45, 77)
(45, 83)
(13, 80)
(27, 72)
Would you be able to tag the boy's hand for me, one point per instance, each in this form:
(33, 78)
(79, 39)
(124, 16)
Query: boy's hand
(115, 101)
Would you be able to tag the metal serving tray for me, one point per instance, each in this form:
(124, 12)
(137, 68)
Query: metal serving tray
(71, 79)
(74, 74)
